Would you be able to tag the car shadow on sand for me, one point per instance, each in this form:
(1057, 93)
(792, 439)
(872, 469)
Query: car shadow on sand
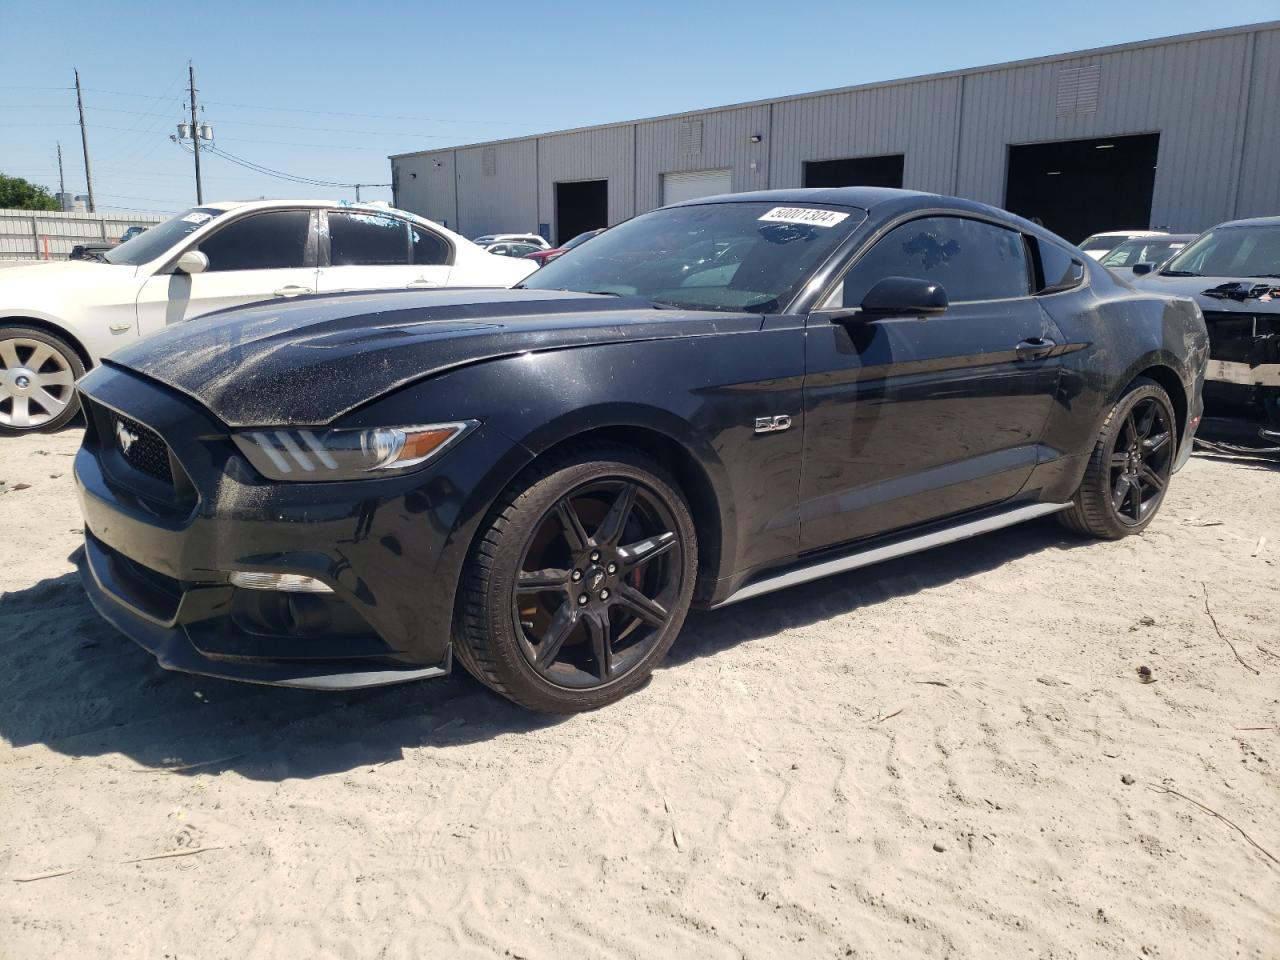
(70, 681)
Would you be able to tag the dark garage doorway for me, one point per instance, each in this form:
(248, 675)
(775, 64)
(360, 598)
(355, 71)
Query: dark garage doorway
(1082, 187)
(855, 172)
(581, 206)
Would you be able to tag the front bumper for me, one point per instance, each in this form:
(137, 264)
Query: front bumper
(161, 544)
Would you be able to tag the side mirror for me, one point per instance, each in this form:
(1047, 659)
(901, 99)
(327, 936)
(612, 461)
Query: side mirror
(1142, 269)
(905, 297)
(193, 261)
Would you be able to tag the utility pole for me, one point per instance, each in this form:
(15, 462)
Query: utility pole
(357, 193)
(195, 134)
(62, 182)
(84, 142)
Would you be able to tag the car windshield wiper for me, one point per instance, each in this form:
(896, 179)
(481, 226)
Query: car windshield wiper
(1180, 273)
(1264, 274)
(99, 257)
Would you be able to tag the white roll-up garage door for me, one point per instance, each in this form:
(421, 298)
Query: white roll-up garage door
(700, 183)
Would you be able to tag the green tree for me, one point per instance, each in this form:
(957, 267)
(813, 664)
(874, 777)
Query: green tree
(19, 194)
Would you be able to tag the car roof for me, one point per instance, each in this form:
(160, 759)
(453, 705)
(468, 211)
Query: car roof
(1173, 237)
(1252, 222)
(862, 197)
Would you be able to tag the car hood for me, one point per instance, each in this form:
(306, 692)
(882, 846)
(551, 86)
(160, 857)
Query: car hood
(310, 360)
(59, 274)
(1195, 287)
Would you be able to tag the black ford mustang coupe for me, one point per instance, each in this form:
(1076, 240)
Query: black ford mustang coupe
(706, 403)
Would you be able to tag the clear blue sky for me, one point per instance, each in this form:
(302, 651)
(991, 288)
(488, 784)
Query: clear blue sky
(327, 90)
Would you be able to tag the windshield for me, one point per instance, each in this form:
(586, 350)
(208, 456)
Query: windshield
(153, 243)
(1252, 251)
(580, 239)
(716, 256)
(1142, 251)
(1099, 242)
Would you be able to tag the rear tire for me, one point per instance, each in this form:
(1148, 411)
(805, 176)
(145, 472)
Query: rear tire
(37, 380)
(560, 620)
(1129, 469)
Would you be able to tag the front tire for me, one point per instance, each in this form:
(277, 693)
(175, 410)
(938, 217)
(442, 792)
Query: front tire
(38, 372)
(578, 582)
(1130, 467)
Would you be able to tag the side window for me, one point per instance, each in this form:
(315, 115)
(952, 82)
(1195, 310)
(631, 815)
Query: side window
(1058, 269)
(427, 248)
(264, 241)
(970, 259)
(367, 240)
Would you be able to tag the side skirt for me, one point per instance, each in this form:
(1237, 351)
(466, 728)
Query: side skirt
(900, 548)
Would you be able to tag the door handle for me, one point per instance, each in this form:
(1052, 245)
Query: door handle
(420, 283)
(292, 291)
(1034, 348)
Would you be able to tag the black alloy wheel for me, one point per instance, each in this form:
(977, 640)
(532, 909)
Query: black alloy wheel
(589, 607)
(1129, 470)
(1141, 461)
(580, 582)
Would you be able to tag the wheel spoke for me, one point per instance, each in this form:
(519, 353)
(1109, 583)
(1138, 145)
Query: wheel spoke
(1120, 493)
(1151, 478)
(572, 525)
(615, 521)
(39, 355)
(1119, 460)
(642, 551)
(1152, 444)
(56, 378)
(561, 626)
(19, 416)
(647, 609)
(1148, 419)
(1135, 499)
(46, 401)
(541, 581)
(601, 633)
(1131, 426)
(9, 354)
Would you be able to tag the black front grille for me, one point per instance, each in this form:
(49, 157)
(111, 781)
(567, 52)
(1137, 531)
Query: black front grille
(141, 447)
(1252, 338)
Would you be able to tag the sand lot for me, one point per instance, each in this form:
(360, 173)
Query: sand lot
(928, 758)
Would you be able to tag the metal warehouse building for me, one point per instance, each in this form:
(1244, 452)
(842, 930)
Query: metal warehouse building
(1179, 133)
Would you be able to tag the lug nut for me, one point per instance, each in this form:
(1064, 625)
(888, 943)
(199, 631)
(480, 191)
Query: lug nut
(604, 594)
(577, 575)
(582, 600)
(612, 568)
(595, 554)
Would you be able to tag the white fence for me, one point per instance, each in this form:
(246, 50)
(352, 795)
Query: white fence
(45, 235)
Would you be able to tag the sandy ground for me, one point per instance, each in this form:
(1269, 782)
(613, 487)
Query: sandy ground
(929, 758)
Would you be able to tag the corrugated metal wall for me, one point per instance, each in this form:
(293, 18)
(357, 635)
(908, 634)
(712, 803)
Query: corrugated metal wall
(1191, 93)
(914, 119)
(602, 153)
(1260, 168)
(1212, 98)
(724, 141)
(498, 193)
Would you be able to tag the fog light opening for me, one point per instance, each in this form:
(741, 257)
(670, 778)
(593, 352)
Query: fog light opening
(287, 582)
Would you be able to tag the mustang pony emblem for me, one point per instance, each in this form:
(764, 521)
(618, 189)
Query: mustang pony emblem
(126, 437)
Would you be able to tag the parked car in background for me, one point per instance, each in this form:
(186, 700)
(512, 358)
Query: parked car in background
(59, 318)
(533, 238)
(1100, 244)
(543, 257)
(82, 251)
(1141, 255)
(510, 248)
(1233, 273)
(709, 402)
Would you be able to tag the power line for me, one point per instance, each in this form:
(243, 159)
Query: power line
(278, 174)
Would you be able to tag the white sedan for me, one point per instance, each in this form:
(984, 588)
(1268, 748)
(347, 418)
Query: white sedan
(59, 318)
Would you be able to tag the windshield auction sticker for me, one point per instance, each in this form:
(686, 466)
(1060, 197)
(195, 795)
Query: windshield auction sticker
(805, 215)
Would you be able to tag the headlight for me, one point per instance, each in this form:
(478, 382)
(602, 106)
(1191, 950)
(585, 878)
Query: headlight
(292, 453)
